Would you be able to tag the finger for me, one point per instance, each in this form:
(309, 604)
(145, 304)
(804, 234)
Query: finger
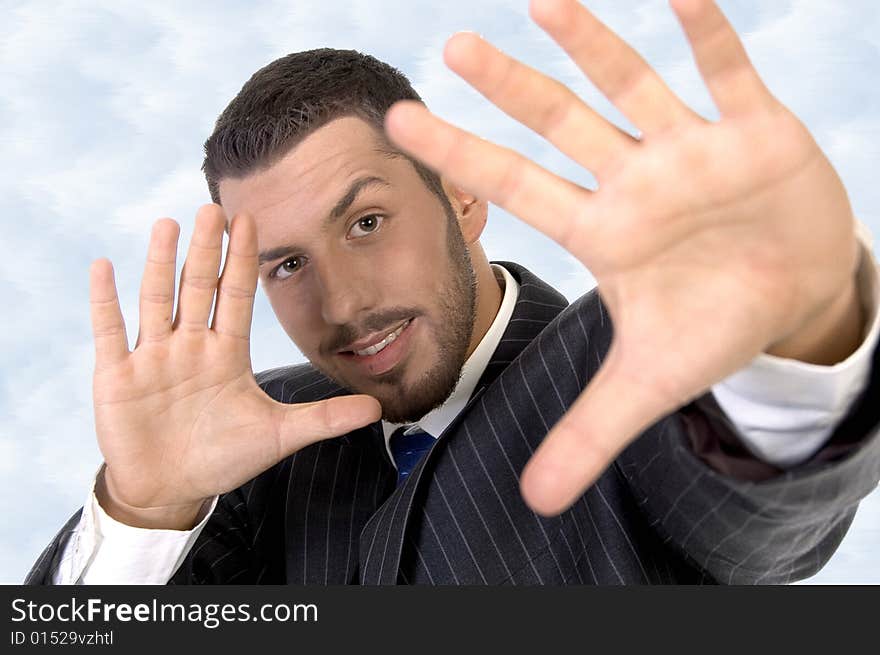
(617, 70)
(198, 280)
(546, 106)
(108, 325)
(551, 204)
(307, 423)
(588, 438)
(238, 283)
(157, 285)
(732, 80)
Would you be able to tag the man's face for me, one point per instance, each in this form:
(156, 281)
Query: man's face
(363, 267)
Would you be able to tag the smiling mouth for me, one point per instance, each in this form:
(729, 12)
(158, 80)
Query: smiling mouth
(380, 345)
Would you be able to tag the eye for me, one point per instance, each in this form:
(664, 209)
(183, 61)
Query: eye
(365, 225)
(288, 267)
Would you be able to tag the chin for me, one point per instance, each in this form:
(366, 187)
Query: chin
(403, 412)
(411, 403)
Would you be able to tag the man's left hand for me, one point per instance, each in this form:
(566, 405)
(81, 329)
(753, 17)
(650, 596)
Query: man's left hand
(711, 242)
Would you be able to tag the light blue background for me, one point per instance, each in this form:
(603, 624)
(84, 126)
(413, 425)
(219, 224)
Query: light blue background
(104, 108)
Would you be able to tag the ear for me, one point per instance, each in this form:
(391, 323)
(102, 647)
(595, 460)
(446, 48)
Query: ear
(472, 212)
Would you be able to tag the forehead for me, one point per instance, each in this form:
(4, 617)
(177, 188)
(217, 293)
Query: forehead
(310, 178)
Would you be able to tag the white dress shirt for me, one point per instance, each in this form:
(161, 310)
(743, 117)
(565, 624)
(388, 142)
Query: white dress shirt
(784, 410)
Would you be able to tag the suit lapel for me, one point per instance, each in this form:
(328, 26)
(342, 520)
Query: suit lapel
(325, 493)
(382, 539)
(332, 489)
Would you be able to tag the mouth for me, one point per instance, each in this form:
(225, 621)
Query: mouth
(380, 352)
(375, 343)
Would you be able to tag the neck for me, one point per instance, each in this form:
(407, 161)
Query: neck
(489, 294)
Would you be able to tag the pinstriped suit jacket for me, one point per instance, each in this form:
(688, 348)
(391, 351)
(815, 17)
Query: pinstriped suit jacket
(685, 503)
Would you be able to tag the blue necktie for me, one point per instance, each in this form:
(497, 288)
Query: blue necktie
(408, 444)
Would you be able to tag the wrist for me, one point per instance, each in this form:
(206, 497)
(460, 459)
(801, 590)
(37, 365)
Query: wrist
(169, 517)
(830, 336)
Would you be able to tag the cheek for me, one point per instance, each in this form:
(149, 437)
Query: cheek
(299, 320)
(419, 265)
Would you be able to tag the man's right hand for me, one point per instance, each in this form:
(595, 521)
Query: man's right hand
(181, 418)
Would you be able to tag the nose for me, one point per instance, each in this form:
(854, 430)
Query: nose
(346, 292)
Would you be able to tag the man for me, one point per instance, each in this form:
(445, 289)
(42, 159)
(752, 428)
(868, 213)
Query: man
(711, 243)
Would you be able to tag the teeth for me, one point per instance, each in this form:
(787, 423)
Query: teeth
(372, 350)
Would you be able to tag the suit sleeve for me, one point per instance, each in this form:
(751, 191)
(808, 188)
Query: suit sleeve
(224, 552)
(739, 516)
(227, 526)
(736, 518)
(50, 559)
(742, 520)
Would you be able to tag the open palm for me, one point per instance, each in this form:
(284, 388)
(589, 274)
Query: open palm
(181, 418)
(710, 241)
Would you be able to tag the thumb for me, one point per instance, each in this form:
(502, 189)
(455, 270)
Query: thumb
(306, 423)
(617, 405)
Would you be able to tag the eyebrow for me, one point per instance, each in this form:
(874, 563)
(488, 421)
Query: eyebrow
(354, 190)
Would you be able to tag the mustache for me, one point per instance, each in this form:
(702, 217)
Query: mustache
(376, 322)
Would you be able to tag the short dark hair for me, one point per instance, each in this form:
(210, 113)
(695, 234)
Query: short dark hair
(286, 100)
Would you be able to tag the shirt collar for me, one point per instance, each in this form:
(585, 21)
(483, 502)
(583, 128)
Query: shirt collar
(435, 421)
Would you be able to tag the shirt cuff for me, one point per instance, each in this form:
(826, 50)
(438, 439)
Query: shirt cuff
(111, 552)
(785, 410)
